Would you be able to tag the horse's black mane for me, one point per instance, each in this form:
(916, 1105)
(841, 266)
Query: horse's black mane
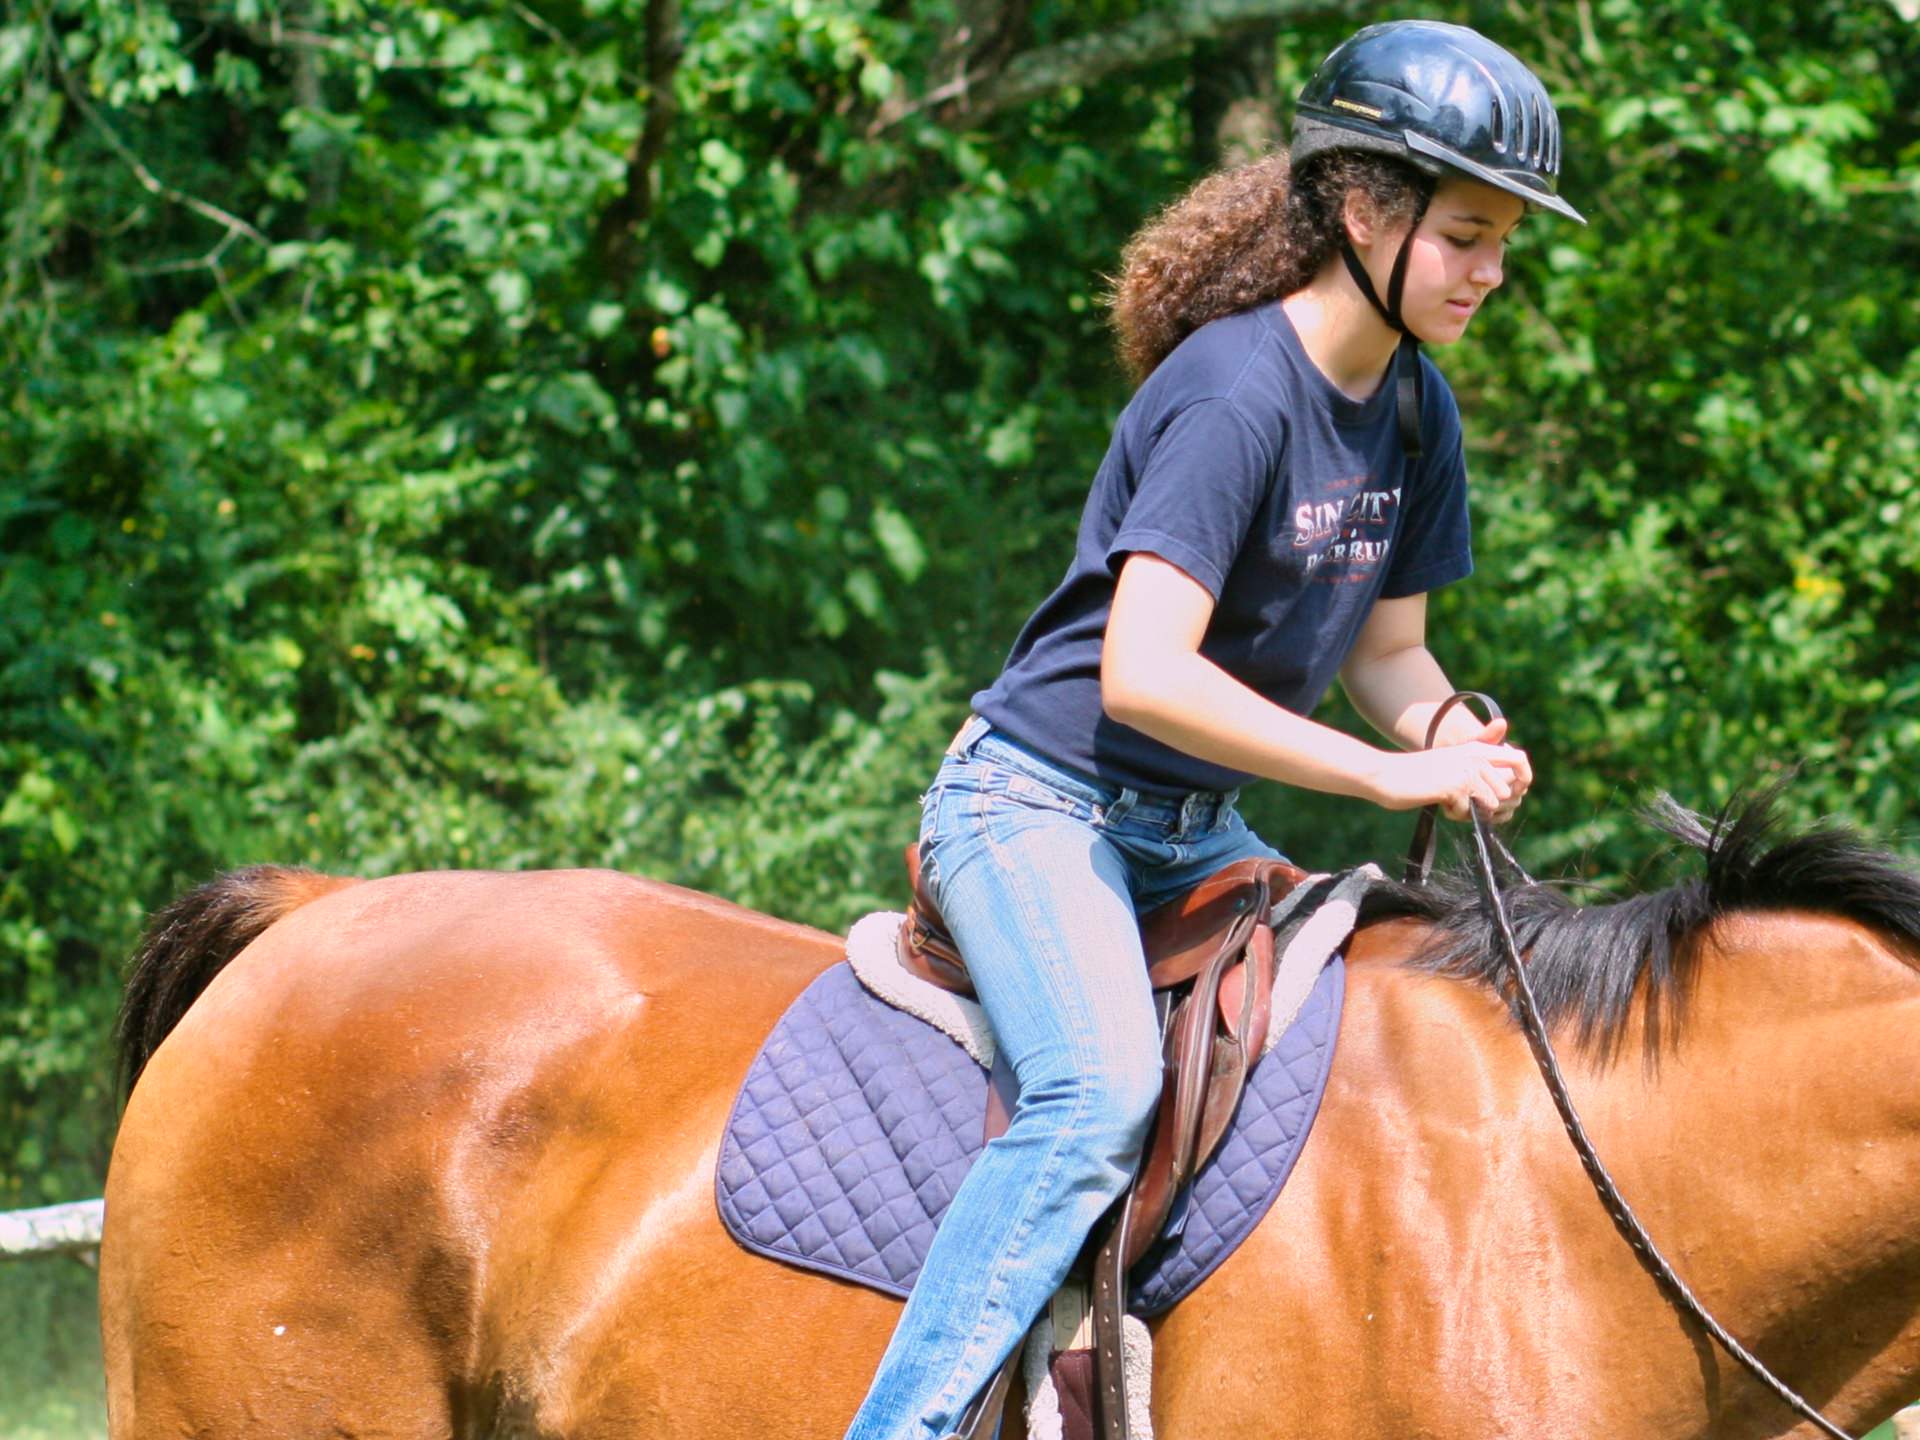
(1587, 962)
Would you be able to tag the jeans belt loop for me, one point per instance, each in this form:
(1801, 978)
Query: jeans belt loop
(967, 736)
(1224, 812)
(1122, 806)
(1190, 812)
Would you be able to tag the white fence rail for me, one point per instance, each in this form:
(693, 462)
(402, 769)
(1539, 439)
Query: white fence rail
(72, 1229)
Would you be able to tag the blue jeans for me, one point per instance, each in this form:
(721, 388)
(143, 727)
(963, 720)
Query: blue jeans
(1041, 875)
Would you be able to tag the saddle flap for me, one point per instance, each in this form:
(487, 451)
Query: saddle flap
(1152, 1194)
(1246, 1017)
(1224, 1086)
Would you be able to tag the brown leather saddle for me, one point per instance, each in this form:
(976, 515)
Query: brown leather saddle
(1211, 959)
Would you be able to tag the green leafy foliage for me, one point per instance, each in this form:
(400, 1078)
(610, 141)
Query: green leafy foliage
(389, 478)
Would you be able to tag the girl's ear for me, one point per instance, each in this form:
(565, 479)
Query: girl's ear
(1357, 214)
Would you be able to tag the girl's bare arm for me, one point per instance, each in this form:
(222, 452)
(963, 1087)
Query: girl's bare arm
(1153, 678)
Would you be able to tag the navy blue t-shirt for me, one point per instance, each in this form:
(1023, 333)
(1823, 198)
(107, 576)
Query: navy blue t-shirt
(1292, 503)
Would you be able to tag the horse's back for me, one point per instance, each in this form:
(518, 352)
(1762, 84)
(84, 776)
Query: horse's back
(423, 1150)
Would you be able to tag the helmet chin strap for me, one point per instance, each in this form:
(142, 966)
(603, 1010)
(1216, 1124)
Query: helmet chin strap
(1406, 360)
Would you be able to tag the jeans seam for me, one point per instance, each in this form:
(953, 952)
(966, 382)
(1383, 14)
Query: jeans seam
(992, 1302)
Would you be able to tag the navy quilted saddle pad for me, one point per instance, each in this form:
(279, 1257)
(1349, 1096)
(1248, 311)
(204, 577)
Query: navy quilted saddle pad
(857, 1122)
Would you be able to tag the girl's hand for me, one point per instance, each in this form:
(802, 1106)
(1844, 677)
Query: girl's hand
(1470, 770)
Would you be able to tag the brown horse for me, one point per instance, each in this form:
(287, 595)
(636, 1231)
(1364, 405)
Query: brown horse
(434, 1155)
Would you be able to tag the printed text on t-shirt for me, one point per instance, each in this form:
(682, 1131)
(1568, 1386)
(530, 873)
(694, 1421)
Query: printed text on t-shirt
(1332, 528)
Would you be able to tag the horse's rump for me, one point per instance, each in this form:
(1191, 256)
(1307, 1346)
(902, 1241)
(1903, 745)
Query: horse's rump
(451, 1097)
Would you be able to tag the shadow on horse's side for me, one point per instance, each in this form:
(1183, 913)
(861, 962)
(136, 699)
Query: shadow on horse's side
(434, 1155)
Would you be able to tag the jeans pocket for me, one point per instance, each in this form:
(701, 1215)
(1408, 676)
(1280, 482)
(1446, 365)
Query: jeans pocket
(1006, 786)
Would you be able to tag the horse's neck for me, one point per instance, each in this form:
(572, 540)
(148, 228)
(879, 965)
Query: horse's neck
(1774, 1149)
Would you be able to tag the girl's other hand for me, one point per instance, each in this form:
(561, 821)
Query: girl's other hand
(1471, 769)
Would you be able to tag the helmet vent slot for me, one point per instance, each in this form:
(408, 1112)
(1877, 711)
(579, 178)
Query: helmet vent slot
(1499, 125)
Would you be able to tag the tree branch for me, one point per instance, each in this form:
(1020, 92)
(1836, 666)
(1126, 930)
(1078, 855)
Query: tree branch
(276, 34)
(1089, 58)
(984, 37)
(152, 183)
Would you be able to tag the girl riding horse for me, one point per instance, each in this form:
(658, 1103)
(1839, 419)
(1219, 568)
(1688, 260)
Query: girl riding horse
(1280, 495)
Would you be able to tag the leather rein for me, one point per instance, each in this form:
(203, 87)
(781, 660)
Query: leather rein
(1486, 845)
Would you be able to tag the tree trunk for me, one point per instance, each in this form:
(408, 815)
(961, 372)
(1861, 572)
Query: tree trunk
(324, 167)
(618, 229)
(1232, 105)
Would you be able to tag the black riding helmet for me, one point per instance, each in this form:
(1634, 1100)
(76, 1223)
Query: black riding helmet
(1444, 99)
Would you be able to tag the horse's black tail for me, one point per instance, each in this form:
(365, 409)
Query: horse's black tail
(191, 941)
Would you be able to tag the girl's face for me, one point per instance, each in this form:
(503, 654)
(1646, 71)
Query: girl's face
(1456, 261)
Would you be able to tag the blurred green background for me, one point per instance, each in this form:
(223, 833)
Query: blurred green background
(624, 432)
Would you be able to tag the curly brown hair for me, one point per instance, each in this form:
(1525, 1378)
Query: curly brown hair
(1240, 238)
